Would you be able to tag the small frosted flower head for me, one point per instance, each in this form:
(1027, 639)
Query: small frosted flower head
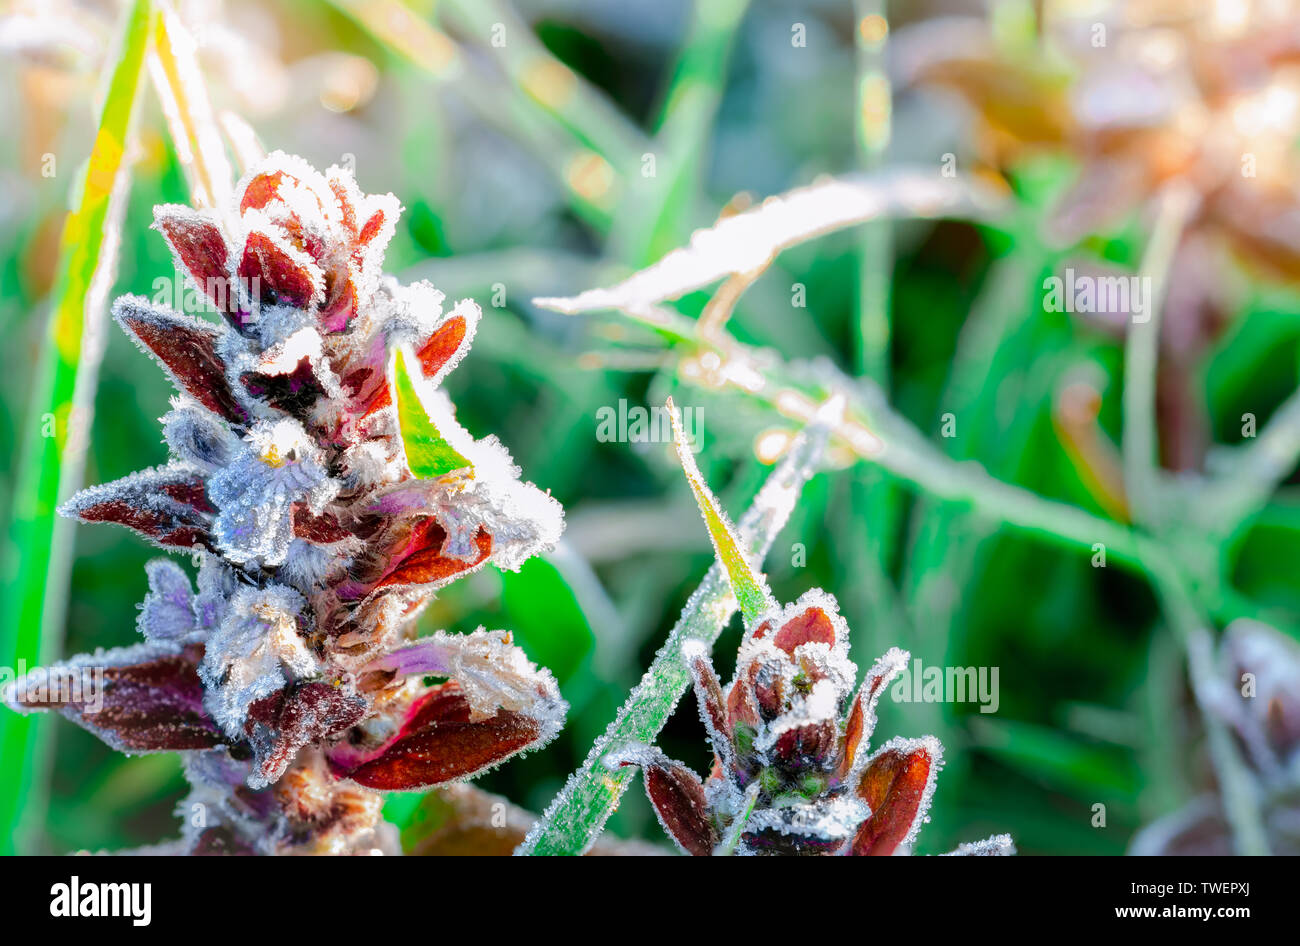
(287, 453)
(790, 738)
(792, 773)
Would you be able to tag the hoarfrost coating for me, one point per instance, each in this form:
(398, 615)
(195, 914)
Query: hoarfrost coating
(290, 678)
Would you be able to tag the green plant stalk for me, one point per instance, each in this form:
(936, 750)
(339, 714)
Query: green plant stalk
(54, 449)
(876, 253)
(1145, 488)
(879, 497)
(946, 537)
(729, 843)
(1236, 784)
(1141, 357)
(1250, 474)
(578, 814)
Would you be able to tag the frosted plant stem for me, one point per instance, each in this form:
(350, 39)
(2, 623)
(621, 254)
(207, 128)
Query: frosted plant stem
(577, 815)
(1141, 357)
(879, 435)
(1251, 474)
(1236, 784)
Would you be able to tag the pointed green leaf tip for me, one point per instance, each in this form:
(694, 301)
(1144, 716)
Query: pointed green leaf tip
(748, 585)
(428, 455)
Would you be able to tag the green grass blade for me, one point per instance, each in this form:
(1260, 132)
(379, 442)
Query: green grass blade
(665, 202)
(428, 454)
(876, 257)
(878, 499)
(747, 582)
(54, 448)
(578, 813)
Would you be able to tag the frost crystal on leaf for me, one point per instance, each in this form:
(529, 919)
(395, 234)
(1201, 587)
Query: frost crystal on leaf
(999, 845)
(289, 676)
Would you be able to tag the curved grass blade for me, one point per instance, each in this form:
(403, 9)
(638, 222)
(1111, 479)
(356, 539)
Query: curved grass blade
(65, 378)
(577, 815)
(747, 242)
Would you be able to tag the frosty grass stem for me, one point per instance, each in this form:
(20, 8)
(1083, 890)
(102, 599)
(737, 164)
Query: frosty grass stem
(578, 813)
(39, 554)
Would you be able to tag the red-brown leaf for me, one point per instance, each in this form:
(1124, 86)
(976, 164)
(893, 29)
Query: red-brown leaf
(894, 785)
(144, 698)
(678, 798)
(290, 282)
(280, 724)
(221, 841)
(197, 241)
(167, 505)
(187, 349)
(261, 190)
(813, 625)
(440, 743)
(425, 563)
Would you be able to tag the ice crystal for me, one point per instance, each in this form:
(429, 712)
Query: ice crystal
(288, 677)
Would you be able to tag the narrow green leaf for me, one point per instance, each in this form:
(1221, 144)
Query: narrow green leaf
(428, 454)
(577, 815)
(748, 584)
(39, 554)
(666, 205)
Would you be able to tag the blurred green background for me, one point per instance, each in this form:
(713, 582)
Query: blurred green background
(503, 197)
